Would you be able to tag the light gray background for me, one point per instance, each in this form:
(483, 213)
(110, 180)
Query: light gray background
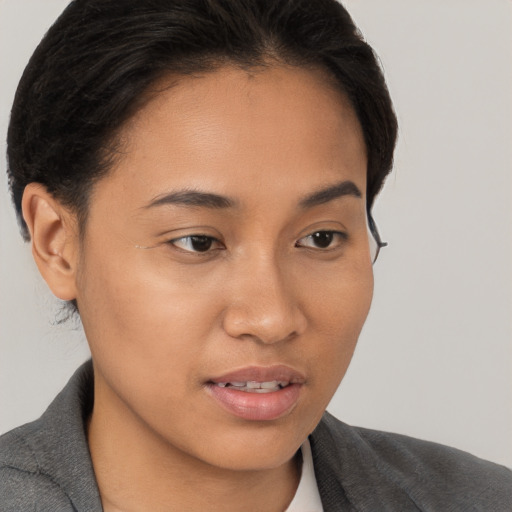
(435, 358)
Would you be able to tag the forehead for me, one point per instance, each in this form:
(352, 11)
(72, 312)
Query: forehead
(235, 132)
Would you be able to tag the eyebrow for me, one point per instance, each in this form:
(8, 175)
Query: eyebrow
(193, 199)
(322, 196)
(198, 199)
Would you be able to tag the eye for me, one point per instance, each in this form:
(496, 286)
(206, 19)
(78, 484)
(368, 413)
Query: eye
(322, 240)
(196, 243)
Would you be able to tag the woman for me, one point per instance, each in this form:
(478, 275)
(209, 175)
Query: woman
(196, 179)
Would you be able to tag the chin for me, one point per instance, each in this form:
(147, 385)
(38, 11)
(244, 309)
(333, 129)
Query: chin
(246, 456)
(257, 446)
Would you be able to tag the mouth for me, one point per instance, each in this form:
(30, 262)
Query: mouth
(257, 393)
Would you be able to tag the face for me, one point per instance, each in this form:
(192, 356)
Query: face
(225, 272)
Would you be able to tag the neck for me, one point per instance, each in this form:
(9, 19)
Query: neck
(138, 470)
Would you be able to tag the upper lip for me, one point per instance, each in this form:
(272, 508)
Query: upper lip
(262, 374)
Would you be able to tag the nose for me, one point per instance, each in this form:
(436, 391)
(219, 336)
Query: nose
(263, 304)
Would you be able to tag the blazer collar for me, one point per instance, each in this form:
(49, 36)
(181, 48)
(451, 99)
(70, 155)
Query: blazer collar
(59, 441)
(351, 475)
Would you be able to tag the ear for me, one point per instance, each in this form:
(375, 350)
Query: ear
(54, 238)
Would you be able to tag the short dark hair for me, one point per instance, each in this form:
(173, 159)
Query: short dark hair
(88, 74)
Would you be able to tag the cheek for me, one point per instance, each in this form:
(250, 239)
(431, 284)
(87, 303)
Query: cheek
(337, 314)
(139, 317)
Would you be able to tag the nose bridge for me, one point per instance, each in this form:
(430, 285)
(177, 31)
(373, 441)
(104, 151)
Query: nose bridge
(261, 302)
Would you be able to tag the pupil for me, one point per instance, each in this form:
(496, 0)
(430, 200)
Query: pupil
(201, 243)
(322, 239)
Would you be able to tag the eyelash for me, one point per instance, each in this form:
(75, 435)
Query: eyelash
(322, 236)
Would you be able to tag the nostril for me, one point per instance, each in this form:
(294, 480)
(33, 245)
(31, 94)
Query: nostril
(265, 330)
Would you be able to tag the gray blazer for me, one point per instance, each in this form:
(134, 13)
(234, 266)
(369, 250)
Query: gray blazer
(46, 466)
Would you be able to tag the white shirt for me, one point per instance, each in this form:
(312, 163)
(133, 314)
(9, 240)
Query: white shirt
(307, 497)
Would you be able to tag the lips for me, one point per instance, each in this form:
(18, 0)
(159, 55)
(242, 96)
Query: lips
(257, 393)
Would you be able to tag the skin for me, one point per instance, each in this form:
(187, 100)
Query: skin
(162, 320)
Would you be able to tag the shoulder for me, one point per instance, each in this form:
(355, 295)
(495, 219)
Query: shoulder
(410, 454)
(22, 481)
(428, 473)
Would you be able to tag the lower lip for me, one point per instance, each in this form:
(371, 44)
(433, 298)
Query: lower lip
(256, 406)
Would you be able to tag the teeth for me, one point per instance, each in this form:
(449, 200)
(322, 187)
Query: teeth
(259, 390)
(269, 385)
(256, 387)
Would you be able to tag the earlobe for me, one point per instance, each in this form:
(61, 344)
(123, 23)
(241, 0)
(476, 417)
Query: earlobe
(54, 239)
